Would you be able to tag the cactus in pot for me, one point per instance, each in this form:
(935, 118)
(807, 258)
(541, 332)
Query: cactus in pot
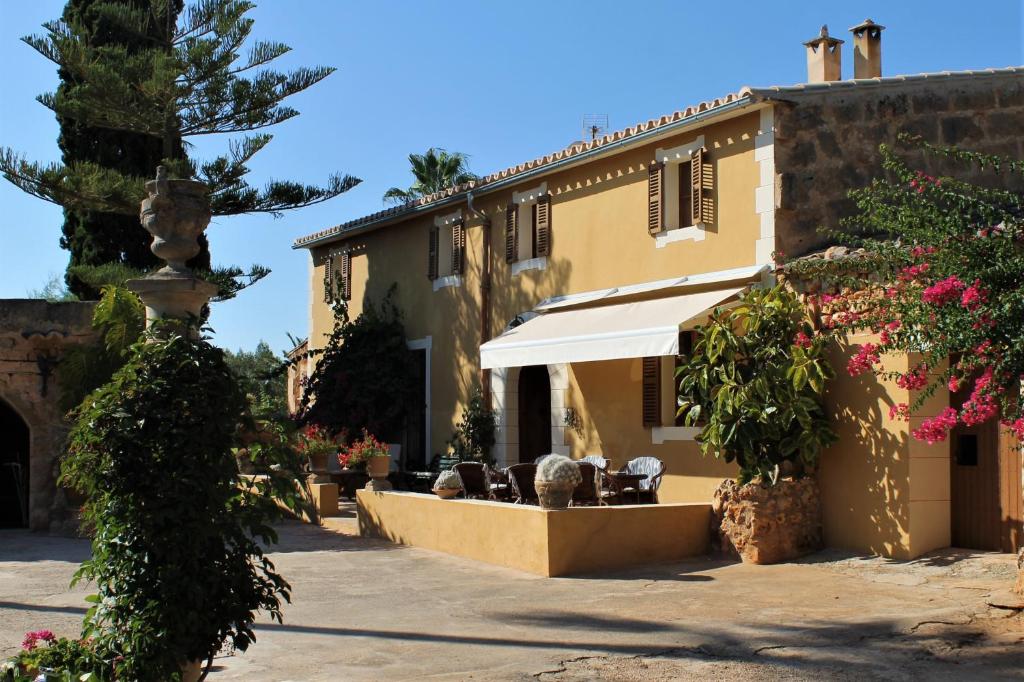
(557, 476)
(448, 484)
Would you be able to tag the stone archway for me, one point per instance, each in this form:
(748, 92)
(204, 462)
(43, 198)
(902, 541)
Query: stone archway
(505, 400)
(15, 462)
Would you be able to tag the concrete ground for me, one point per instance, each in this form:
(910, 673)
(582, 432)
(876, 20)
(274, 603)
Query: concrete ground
(369, 610)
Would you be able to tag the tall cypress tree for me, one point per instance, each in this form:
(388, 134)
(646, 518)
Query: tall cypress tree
(135, 71)
(96, 237)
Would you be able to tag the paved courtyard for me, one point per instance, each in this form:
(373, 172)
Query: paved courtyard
(368, 610)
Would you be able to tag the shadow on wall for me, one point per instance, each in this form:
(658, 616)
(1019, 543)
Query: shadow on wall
(864, 477)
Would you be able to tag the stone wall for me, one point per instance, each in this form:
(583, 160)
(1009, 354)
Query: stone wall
(826, 142)
(33, 337)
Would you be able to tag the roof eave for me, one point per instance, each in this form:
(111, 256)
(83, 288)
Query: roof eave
(745, 101)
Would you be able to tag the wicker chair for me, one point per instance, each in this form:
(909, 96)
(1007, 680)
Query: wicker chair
(523, 489)
(588, 492)
(474, 480)
(598, 461)
(654, 468)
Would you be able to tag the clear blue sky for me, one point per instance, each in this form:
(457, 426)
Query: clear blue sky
(502, 82)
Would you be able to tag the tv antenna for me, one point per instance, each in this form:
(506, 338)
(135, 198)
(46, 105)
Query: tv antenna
(594, 126)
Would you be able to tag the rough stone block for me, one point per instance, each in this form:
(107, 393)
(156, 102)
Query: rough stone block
(1004, 124)
(929, 103)
(974, 98)
(957, 129)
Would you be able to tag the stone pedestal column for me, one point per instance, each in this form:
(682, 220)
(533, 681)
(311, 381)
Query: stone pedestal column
(175, 213)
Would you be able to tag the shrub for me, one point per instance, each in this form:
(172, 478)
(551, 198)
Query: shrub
(558, 469)
(474, 434)
(753, 383)
(176, 556)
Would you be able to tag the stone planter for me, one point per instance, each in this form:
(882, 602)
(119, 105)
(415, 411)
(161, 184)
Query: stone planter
(377, 468)
(447, 493)
(767, 525)
(318, 460)
(553, 495)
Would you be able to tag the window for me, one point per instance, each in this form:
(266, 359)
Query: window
(528, 227)
(659, 386)
(446, 251)
(338, 276)
(680, 190)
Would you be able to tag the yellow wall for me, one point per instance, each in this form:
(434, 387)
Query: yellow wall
(539, 541)
(882, 491)
(598, 239)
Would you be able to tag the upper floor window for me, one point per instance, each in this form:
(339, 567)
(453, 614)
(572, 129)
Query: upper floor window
(446, 253)
(338, 276)
(680, 188)
(528, 225)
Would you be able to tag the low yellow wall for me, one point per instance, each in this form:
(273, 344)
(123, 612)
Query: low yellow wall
(535, 540)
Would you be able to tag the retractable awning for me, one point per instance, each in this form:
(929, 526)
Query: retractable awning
(611, 332)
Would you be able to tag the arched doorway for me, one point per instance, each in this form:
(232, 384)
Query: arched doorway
(534, 413)
(14, 468)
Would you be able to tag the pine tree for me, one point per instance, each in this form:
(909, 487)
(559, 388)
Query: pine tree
(95, 238)
(169, 76)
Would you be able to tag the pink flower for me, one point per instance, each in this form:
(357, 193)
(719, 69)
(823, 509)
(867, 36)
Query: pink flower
(802, 340)
(981, 406)
(913, 380)
(900, 411)
(935, 429)
(943, 291)
(954, 384)
(974, 296)
(32, 639)
(863, 360)
(1016, 428)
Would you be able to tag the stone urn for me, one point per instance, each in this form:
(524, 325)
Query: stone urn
(176, 213)
(556, 479)
(764, 524)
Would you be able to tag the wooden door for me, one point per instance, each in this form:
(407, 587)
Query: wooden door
(1011, 493)
(974, 487)
(534, 413)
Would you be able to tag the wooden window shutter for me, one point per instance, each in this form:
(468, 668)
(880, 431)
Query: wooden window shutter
(511, 234)
(346, 276)
(435, 236)
(651, 393)
(458, 247)
(544, 225)
(328, 279)
(655, 197)
(702, 195)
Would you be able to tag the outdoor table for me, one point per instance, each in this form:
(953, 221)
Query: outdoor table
(349, 481)
(625, 480)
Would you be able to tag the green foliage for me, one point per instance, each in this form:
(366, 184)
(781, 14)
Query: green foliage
(434, 171)
(119, 318)
(753, 383)
(69, 660)
(365, 377)
(474, 434)
(261, 381)
(940, 276)
(53, 291)
(176, 555)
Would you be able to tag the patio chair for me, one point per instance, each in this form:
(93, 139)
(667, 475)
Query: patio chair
(654, 468)
(598, 461)
(500, 485)
(588, 492)
(474, 480)
(521, 476)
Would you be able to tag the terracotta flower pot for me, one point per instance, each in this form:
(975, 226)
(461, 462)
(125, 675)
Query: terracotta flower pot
(377, 467)
(555, 495)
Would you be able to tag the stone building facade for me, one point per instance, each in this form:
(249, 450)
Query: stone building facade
(34, 334)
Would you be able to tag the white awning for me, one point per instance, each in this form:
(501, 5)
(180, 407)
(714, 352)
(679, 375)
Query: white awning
(610, 332)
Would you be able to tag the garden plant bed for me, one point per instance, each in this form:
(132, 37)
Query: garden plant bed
(540, 541)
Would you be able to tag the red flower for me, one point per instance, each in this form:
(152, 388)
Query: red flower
(936, 428)
(915, 379)
(802, 340)
(863, 360)
(943, 291)
(32, 639)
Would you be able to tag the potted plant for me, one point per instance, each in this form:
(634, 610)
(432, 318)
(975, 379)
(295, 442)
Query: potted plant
(316, 444)
(448, 484)
(374, 455)
(753, 384)
(557, 476)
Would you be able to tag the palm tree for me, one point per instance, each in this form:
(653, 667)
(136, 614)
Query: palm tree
(434, 171)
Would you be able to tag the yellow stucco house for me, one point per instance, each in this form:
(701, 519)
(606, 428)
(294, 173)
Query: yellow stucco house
(564, 287)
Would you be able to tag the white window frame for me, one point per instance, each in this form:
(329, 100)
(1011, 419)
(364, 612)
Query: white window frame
(424, 344)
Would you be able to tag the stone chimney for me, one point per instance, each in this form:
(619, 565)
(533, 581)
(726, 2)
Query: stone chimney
(867, 49)
(823, 58)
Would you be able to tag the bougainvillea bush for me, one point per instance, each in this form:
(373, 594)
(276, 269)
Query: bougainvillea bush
(944, 282)
(753, 382)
